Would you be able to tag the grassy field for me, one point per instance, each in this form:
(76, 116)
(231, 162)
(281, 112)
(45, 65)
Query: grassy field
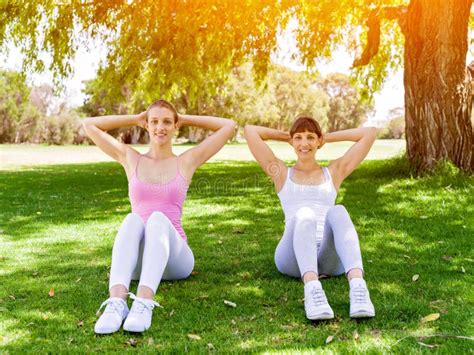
(15, 156)
(58, 223)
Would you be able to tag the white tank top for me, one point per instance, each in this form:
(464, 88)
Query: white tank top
(319, 198)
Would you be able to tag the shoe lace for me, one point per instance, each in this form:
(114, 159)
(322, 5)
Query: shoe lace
(113, 306)
(318, 297)
(359, 294)
(140, 304)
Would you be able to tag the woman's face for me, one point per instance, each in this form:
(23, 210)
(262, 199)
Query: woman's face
(160, 125)
(305, 144)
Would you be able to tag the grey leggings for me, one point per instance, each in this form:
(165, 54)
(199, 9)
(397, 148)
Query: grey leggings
(149, 252)
(298, 251)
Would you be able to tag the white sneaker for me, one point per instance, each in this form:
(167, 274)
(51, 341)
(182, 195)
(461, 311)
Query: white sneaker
(316, 304)
(113, 316)
(139, 318)
(361, 305)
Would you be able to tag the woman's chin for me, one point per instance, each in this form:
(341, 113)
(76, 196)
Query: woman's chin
(306, 155)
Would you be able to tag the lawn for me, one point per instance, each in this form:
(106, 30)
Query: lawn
(58, 224)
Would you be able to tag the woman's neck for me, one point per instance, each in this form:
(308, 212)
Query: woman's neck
(160, 152)
(306, 165)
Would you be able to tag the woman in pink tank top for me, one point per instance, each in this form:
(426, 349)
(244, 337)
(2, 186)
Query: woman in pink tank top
(151, 244)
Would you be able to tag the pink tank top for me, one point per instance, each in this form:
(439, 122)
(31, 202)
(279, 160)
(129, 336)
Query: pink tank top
(168, 198)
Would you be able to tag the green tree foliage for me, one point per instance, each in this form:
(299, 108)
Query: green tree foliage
(170, 48)
(395, 127)
(274, 101)
(15, 108)
(26, 117)
(160, 48)
(346, 109)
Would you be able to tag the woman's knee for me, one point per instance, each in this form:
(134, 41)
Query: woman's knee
(337, 212)
(286, 267)
(157, 219)
(305, 214)
(132, 227)
(134, 220)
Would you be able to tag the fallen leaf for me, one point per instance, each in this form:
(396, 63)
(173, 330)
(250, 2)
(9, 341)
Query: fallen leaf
(463, 270)
(276, 340)
(211, 346)
(45, 317)
(172, 313)
(194, 273)
(194, 337)
(219, 241)
(233, 322)
(36, 273)
(376, 333)
(356, 335)
(51, 292)
(131, 342)
(201, 297)
(423, 217)
(81, 323)
(230, 304)
(446, 257)
(430, 317)
(12, 297)
(238, 230)
(38, 213)
(406, 256)
(329, 339)
(441, 241)
(415, 277)
(150, 342)
(210, 226)
(79, 279)
(431, 346)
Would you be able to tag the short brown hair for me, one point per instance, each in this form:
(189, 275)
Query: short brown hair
(305, 123)
(165, 104)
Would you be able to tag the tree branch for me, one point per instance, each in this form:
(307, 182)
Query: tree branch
(373, 23)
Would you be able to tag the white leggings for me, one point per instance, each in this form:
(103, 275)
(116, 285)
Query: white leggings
(149, 252)
(298, 251)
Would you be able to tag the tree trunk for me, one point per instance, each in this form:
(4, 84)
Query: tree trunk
(437, 90)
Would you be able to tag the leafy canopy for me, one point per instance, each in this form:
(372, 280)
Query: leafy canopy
(162, 48)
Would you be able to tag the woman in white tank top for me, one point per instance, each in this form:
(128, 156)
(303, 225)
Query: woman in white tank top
(319, 237)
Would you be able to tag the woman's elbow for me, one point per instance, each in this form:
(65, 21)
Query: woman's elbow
(247, 129)
(372, 132)
(232, 124)
(85, 124)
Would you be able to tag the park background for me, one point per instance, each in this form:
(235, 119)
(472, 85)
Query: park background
(402, 66)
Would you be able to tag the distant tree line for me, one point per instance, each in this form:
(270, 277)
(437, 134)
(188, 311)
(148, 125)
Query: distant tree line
(34, 115)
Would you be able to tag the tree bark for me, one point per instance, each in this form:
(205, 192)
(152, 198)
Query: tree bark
(438, 95)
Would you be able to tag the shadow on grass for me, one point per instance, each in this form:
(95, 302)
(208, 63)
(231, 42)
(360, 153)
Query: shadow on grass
(233, 220)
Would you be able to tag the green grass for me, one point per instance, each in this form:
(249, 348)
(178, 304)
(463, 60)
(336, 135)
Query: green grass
(58, 224)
